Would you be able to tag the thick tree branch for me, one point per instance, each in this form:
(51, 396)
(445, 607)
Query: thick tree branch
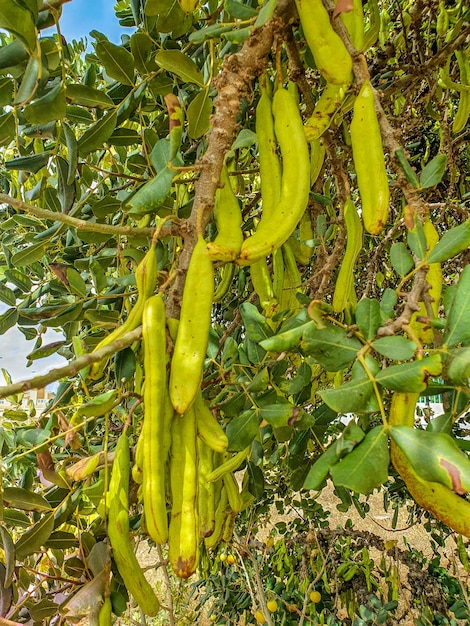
(81, 225)
(72, 368)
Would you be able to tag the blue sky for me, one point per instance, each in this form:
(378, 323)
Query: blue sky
(79, 17)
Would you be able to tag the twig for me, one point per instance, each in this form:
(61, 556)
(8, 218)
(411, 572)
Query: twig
(72, 368)
(56, 216)
(169, 594)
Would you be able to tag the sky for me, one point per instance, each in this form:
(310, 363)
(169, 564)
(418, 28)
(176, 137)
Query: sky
(79, 17)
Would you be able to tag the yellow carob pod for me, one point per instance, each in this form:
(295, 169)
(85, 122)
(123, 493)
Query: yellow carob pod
(295, 184)
(344, 287)
(332, 59)
(369, 161)
(157, 420)
(228, 216)
(193, 330)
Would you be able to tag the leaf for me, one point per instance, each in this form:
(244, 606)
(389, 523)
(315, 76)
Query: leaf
(49, 107)
(198, 114)
(125, 137)
(7, 295)
(331, 346)
(366, 467)
(19, 498)
(433, 171)
(89, 97)
(178, 63)
(411, 377)
(8, 319)
(95, 136)
(61, 540)
(75, 282)
(457, 366)
(29, 164)
(239, 10)
(255, 480)
(45, 351)
(118, 62)
(65, 191)
(152, 195)
(453, 242)
(10, 556)
(435, 457)
(256, 325)
(242, 430)
(396, 348)
(29, 82)
(266, 13)
(19, 22)
(416, 238)
(245, 139)
(279, 413)
(357, 395)
(19, 279)
(141, 49)
(72, 152)
(351, 436)
(400, 258)
(124, 365)
(368, 317)
(7, 128)
(409, 172)
(458, 321)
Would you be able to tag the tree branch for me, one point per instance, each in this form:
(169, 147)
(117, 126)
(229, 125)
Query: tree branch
(72, 368)
(127, 231)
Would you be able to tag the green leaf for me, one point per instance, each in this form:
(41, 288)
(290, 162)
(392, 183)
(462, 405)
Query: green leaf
(457, 366)
(357, 395)
(125, 137)
(35, 537)
(400, 258)
(416, 239)
(14, 53)
(255, 479)
(72, 152)
(65, 192)
(124, 365)
(388, 302)
(433, 171)
(76, 283)
(178, 63)
(49, 107)
(332, 347)
(8, 319)
(239, 10)
(29, 255)
(20, 22)
(19, 279)
(256, 325)
(368, 317)
(7, 128)
(45, 351)
(118, 62)
(29, 82)
(19, 498)
(95, 136)
(61, 540)
(287, 340)
(453, 242)
(412, 376)
(317, 474)
(245, 139)
(28, 164)
(89, 97)
(396, 348)
(152, 195)
(141, 49)
(10, 557)
(242, 430)
(409, 172)
(435, 457)
(278, 414)
(266, 13)
(214, 30)
(366, 467)
(198, 114)
(7, 295)
(458, 321)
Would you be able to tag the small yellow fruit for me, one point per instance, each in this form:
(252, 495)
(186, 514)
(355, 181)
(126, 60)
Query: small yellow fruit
(315, 596)
(231, 559)
(223, 557)
(269, 542)
(212, 618)
(272, 606)
(260, 617)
